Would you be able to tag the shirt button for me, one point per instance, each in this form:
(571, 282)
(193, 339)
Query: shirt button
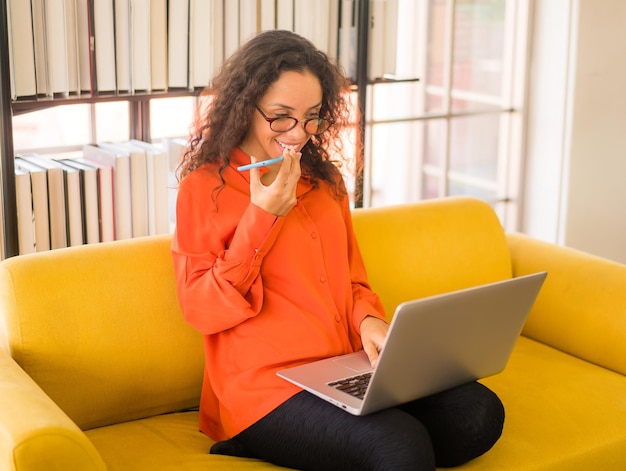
(313, 235)
(337, 318)
(322, 279)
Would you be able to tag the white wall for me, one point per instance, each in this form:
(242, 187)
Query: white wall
(575, 192)
(547, 110)
(596, 196)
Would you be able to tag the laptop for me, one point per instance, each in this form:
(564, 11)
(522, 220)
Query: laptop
(433, 344)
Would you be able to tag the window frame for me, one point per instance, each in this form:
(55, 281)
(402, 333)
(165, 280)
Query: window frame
(508, 107)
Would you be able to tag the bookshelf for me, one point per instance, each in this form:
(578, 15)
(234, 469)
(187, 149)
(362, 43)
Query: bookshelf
(139, 120)
(361, 82)
(7, 169)
(139, 102)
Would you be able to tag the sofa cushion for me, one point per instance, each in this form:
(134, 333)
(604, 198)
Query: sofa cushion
(562, 414)
(167, 442)
(98, 327)
(430, 247)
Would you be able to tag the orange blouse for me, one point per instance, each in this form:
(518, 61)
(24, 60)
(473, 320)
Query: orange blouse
(266, 292)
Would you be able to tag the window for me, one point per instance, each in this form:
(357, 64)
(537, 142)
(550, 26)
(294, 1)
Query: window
(454, 131)
(68, 127)
(57, 127)
(171, 117)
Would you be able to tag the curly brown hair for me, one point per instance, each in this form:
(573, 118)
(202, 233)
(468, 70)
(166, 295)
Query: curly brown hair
(226, 105)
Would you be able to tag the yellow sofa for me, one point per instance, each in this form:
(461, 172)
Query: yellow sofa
(99, 371)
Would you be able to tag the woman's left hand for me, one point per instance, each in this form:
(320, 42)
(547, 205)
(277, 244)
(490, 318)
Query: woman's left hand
(373, 333)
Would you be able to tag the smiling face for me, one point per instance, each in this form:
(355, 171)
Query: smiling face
(295, 94)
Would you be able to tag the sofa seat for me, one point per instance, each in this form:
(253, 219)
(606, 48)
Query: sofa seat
(165, 442)
(562, 413)
(543, 420)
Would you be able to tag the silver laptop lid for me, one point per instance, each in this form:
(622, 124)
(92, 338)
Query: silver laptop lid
(446, 340)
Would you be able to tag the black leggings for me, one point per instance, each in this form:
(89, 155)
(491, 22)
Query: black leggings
(307, 433)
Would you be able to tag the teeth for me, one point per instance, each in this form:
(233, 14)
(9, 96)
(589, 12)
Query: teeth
(288, 147)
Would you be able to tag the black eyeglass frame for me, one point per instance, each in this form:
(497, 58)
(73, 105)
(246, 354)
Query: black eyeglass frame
(295, 122)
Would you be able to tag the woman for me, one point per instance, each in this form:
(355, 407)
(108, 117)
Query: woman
(269, 271)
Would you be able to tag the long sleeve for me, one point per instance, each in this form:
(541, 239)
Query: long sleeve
(366, 302)
(215, 267)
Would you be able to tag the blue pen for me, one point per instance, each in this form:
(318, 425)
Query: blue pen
(262, 163)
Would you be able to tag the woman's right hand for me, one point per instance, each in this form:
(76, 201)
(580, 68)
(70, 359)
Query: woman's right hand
(275, 191)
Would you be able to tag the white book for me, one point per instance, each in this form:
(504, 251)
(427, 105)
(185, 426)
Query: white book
(268, 14)
(178, 43)
(57, 45)
(71, 41)
(41, 51)
(21, 49)
(25, 213)
(140, 45)
(218, 33)
(104, 45)
(390, 52)
(158, 44)
(322, 25)
(175, 148)
(73, 205)
(311, 20)
(248, 16)
(138, 185)
(123, 60)
(376, 40)
(284, 14)
(231, 28)
(201, 37)
(106, 198)
(83, 40)
(139, 190)
(333, 30)
(120, 162)
(39, 187)
(89, 197)
(304, 18)
(348, 37)
(157, 166)
(56, 199)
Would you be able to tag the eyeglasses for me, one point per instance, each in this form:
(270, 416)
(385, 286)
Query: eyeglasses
(283, 124)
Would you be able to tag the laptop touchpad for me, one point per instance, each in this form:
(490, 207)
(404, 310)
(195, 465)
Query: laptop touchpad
(357, 363)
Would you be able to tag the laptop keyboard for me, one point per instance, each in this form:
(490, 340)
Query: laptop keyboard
(355, 385)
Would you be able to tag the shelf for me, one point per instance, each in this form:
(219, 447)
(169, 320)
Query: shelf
(392, 80)
(28, 105)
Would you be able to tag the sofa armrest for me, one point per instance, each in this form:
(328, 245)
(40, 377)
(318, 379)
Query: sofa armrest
(581, 308)
(34, 433)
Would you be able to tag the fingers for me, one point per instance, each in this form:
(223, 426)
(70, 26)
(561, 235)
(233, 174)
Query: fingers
(275, 190)
(371, 350)
(373, 334)
(255, 171)
(289, 172)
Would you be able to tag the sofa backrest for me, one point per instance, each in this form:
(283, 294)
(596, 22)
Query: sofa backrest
(430, 247)
(99, 328)
(581, 309)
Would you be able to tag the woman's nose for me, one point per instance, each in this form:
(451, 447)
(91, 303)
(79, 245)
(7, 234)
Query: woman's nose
(297, 132)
